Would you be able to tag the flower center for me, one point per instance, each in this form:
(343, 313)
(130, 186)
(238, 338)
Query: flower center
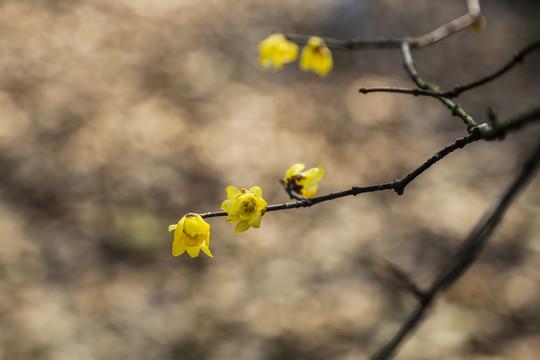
(249, 204)
(191, 241)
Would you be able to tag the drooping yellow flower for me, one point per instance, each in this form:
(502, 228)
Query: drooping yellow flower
(316, 57)
(191, 233)
(245, 207)
(276, 50)
(304, 183)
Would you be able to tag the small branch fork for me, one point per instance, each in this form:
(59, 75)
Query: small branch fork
(473, 15)
(455, 92)
(498, 128)
(411, 70)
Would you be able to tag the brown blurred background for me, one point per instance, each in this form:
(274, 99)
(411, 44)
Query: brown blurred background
(118, 117)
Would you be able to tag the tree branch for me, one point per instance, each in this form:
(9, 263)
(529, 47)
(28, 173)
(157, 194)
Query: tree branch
(517, 58)
(389, 271)
(466, 254)
(455, 92)
(462, 22)
(499, 128)
(397, 185)
(484, 131)
(411, 70)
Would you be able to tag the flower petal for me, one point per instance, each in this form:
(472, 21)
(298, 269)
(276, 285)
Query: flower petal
(233, 218)
(178, 247)
(241, 226)
(294, 170)
(256, 220)
(192, 226)
(193, 251)
(226, 205)
(172, 227)
(276, 50)
(261, 205)
(255, 190)
(314, 175)
(309, 191)
(206, 250)
(316, 57)
(233, 192)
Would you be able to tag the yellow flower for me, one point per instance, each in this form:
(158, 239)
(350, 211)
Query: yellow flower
(316, 57)
(276, 50)
(303, 182)
(244, 207)
(191, 233)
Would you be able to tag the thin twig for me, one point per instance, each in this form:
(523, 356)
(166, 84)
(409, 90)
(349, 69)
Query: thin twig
(432, 37)
(397, 185)
(415, 92)
(474, 8)
(484, 131)
(459, 144)
(465, 256)
(388, 271)
(499, 127)
(411, 70)
(517, 58)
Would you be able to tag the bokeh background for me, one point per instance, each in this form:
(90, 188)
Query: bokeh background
(118, 117)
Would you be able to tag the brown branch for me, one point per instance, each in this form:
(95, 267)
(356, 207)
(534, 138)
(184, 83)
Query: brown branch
(483, 131)
(388, 271)
(432, 37)
(500, 128)
(415, 92)
(454, 107)
(517, 58)
(465, 256)
(397, 185)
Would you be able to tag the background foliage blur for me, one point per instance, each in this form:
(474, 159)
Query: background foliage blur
(117, 118)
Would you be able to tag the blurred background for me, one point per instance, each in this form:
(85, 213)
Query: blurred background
(117, 118)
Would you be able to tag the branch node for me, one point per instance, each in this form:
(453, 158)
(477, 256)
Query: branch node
(455, 110)
(398, 186)
(306, 202)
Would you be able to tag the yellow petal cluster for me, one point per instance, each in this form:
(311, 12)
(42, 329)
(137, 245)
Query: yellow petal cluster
(304, 183)
(191, 234)
(316, 57)
(276, 50)
(245, 207)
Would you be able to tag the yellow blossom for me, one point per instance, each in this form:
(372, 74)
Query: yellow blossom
(304, 183)
(276, 50)
(316, 57)
(245, 207)
(191, 233)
